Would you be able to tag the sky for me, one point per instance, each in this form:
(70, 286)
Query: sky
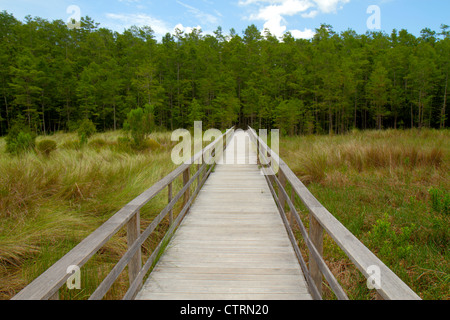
(300, 17)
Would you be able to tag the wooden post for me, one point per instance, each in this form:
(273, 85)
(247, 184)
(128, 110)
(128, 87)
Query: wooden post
(186, 178)
(198, 178)
(170, 200)
(378, 297)
(55, 296)
(316, 236)
(282, 179)
(133, 232)
(258, 162)
(291, 214)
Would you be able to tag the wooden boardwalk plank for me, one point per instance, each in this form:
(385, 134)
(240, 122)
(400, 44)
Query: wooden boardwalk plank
(232, 245)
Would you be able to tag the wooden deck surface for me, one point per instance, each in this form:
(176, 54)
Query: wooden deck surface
(232, 245)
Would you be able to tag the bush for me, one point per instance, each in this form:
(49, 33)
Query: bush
(20, 139)
(139, 124)
(86, 129)
(46, 147)
(440, 200)
(125, 144)
(390, 244)
(148, 144)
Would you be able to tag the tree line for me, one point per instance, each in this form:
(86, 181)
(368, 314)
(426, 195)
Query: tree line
(52, 77)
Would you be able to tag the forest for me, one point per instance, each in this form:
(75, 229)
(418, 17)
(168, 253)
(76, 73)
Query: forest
(52, 77)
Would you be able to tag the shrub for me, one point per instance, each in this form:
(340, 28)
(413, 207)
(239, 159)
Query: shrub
(440, 200)
(20, 138)
(147, 144)
(86, 129)
(46, 147)
(392, 245)
(139, 124)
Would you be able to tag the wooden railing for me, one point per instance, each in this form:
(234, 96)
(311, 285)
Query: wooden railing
(47, 285)
(389, 287)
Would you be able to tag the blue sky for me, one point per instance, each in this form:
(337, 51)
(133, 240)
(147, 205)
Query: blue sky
(300, 17)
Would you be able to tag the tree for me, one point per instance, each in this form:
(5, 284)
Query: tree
(286, 115)
(140, 123)
(423, 72)
(24, 85)
(195, 112)
(378, 90)
(54, 77)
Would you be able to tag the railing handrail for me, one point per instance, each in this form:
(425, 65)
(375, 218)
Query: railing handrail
(48, 283)
(391, 286)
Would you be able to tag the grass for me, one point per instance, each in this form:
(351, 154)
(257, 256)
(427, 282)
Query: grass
(391, 190)
(49, 203)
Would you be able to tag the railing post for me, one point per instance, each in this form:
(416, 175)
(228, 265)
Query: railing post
(198, 178)
(258, 162)
(55, 296)
(291, 214)
(282, 179)
(316, 236)
(133, 232)
(170, 200)
(186, 178)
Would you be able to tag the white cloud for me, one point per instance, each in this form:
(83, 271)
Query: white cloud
(305, 34)
(330, 6)
(202, 16)
(127, 20)
(312, 14)
(273, 13)
(186, 30)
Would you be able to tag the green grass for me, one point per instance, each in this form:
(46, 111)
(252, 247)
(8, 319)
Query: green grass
(49, 203)
(391, 190)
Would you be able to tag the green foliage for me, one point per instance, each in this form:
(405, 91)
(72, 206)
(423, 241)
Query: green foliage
(196, 113)
(392, 245)
(140, 123)
(86, 129)
(20, 139)
(46, 147)
(440, 200)
(329, 84)
(286, 115)
(440, 217)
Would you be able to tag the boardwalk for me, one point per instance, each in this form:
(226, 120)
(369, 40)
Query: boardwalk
(232, 244)
(235, 241)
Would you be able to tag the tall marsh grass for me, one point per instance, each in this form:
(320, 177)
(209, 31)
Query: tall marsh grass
(49, 203)
(391, 189)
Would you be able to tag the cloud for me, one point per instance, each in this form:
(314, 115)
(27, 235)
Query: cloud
(200, 15)
(273, 13)
(186, 30)
(312, 14)
(330, 6)
(127, 20)
(305, 34)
